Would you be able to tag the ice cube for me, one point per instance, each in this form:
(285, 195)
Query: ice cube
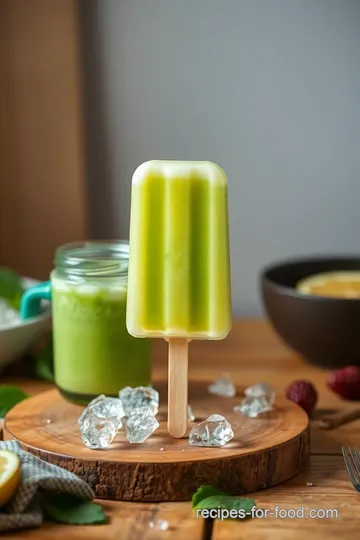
(223, 387)
(140, 424)
(140, 396)
(8, 315)
(214, 431)
(259, 398)
(191, 416)
(98, 432)
(104, 407)
(261, 390)
(253, 406)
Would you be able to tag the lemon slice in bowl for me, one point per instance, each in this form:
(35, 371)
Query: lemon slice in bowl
(335, 284)
(10, 474)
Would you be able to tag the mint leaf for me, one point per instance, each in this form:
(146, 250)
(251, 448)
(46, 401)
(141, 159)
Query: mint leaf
(10, 396)
(204, 492)
(11, 287)
(226, 502)
(67, 508)
(209, 497)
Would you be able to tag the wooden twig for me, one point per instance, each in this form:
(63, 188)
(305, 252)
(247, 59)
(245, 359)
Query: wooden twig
(339, 419)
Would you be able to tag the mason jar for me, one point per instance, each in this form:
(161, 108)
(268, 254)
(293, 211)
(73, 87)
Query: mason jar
(93, 351)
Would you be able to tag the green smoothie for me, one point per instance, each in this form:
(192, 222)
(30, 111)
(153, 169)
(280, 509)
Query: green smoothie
(93, 352)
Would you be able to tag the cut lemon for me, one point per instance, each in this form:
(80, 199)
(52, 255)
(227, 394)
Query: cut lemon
(334, 284)
(10, 474)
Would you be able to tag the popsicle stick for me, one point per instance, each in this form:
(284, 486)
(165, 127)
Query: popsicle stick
(178, 387)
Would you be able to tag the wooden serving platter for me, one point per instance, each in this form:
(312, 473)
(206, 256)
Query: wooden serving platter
(264, 452)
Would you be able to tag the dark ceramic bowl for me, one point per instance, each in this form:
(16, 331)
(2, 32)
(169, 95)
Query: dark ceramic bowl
(324, 331)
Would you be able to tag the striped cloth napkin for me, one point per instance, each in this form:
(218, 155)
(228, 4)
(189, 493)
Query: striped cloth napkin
(24, 510)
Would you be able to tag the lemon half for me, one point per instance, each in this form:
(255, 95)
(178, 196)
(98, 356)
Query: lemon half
(334, 284)
(10, 474)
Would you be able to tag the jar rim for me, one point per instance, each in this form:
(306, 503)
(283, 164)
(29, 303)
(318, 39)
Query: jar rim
(93, 258)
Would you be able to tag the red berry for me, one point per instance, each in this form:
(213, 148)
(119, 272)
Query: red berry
(304, 394)
(345, 382)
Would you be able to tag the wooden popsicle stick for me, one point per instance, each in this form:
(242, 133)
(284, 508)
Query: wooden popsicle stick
(178, 387)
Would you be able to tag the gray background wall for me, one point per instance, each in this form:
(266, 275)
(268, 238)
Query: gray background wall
(269, 89)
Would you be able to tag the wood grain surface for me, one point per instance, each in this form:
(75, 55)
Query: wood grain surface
(252, 353)
(264, 452)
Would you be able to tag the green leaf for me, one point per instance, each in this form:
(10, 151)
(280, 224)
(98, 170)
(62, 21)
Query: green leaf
(10, 396)
(209, 497)
(204, 492)
(227, 502)
(11, 287)
(67, 508)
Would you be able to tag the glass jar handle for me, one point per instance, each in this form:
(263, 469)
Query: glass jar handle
(31, 300)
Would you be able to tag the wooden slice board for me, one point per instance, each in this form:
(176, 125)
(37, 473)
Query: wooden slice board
(264, 452)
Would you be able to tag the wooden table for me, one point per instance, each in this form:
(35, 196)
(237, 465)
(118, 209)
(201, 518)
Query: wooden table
(252, 353)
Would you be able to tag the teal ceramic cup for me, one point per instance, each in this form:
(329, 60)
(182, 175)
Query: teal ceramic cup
(93, 351)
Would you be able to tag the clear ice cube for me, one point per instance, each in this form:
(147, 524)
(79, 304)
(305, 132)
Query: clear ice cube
(223, 387)
(259, 399)
(140, 396)
(253, 406)
(8, 315)
(98, 432)
(103, 407)
(214, 431)
(261, 390)
(140, 424)
(191, 416)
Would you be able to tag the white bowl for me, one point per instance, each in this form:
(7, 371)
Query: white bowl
(16, 340)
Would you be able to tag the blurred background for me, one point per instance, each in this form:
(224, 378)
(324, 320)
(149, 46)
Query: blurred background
(269, 89)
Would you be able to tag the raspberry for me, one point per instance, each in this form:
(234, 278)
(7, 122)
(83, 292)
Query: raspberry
(304, 394)
(345, 382)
